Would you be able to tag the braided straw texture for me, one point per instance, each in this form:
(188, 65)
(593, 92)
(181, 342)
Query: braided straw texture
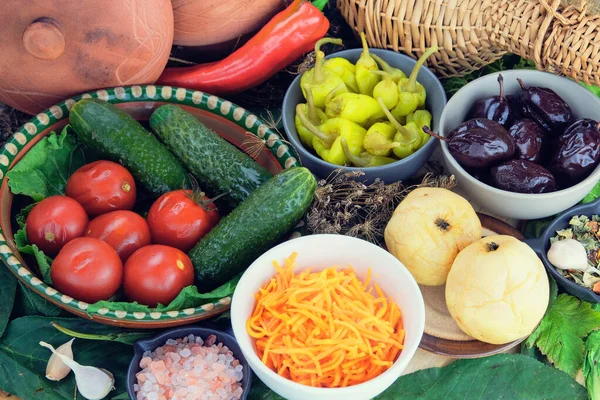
(560, 38)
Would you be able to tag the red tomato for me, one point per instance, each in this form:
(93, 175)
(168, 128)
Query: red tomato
(87, 269)
(55, 221)
(124, 230)
(101, 187)
(179, 219)
(156, 274)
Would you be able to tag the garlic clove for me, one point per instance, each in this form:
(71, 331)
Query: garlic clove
(590, 280)
(56, 369)
(93, 383)
(568, 254)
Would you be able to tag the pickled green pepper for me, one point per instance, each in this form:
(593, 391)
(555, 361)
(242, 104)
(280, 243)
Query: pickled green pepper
(358, 108)
(334, 92)
(327, 138)
(315, 115)
(320, 80)
(379, 139)
(364, 159)
(345, 70)
(364, 66)
(386, 89)
(421, 118)
(412, 94)
(395, 73)
(407, 138)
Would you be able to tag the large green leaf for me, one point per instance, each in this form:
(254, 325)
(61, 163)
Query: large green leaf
(23, 361)
(591, 365)
(592, 88)
(8, 290)
(592, 195)
(44, 170)
(260, 391)
(560, 334)
(500, 377)
(30, 303)
(122, 336)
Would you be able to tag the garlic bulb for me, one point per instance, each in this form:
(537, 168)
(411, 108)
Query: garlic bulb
(93, 383)
(56, 369)
(568, 254)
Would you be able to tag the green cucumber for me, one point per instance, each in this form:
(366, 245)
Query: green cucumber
(219, 166)
(253, 227)
(117, 136)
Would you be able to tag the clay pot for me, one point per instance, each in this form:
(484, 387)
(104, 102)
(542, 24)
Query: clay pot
(52, 49)
(211, 22)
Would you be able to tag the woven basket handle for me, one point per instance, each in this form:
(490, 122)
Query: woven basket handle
(552, 10)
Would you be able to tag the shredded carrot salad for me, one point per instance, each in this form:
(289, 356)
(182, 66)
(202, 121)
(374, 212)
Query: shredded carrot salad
(325, 329)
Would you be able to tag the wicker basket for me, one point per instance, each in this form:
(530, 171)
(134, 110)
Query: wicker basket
(563, 38)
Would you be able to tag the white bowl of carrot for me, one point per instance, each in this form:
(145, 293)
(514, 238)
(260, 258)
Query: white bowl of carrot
(327, 317)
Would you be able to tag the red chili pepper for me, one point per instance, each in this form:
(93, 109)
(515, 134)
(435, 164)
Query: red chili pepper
(285, 38)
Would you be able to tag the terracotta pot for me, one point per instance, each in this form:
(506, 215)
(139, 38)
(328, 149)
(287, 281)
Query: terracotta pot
(209, 22)
(52, 49)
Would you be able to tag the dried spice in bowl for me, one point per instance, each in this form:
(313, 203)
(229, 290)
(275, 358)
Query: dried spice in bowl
(570, 245)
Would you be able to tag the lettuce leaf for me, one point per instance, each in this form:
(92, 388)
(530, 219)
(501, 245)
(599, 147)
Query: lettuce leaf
(23, 245)
(44, 170)
(560, 335)
(189, 297)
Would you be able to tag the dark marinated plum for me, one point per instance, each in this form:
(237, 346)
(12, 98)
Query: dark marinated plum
(495, 108)
(545, 107)
(480, 142)
(481, 174)
(577, 152)
(528, 137)
(516, 109)
(522, 176)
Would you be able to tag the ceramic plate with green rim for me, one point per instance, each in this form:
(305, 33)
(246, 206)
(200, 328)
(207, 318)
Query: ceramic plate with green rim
(231, 122)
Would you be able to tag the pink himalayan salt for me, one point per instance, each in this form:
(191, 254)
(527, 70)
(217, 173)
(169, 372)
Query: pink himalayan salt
(190, 369)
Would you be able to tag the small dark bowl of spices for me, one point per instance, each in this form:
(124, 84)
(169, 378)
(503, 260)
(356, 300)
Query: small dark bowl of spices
(570, 250)
(189, 363)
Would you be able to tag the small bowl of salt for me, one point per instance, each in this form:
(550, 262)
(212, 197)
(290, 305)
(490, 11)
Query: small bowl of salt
(189, 363)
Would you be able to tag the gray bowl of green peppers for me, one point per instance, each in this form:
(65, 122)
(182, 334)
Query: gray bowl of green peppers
(354, 132)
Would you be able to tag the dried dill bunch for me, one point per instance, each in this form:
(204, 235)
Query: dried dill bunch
(10, 120)
(343, 205)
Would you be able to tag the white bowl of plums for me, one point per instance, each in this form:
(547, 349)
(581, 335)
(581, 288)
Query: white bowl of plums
(525, 143)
